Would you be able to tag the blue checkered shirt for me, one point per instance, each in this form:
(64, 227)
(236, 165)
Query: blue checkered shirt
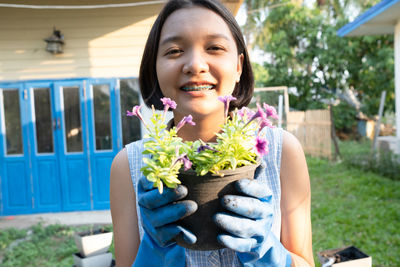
(223, 257)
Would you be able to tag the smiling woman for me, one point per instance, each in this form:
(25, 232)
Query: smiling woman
(197, 63)
(195, 55)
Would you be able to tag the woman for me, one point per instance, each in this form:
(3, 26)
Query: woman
(194, 54)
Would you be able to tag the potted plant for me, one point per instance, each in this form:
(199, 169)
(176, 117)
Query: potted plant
(207, 169)
(93, 246)
(100, 260)
(344, 257)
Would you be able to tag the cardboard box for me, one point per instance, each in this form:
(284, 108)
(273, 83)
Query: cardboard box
(346, 257)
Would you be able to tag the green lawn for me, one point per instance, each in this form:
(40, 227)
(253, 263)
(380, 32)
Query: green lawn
(45, 246)
(354, 207)
(349, 207)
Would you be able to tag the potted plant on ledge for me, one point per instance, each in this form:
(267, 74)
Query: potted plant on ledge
(93, 248)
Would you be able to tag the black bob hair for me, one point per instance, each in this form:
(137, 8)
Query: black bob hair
(148, 82)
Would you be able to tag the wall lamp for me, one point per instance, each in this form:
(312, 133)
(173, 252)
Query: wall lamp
(55, 42)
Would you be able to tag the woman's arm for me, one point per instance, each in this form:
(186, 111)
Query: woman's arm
(123, 211)
(296, 202)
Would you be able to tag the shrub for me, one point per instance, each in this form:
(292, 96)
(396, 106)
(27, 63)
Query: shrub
(344, 117)
(385, 163)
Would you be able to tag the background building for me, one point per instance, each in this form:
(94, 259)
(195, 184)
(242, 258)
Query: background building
(62, 115)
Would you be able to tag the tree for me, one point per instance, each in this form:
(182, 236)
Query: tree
(306, 53)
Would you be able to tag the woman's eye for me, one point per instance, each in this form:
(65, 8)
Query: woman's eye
(215, 48)
(173, 51)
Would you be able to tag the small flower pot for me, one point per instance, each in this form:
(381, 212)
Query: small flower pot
(206, 191)
(101, 260)
(344, 257)
(92, 243)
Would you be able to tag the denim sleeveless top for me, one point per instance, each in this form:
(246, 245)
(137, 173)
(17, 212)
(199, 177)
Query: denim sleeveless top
(271, 173)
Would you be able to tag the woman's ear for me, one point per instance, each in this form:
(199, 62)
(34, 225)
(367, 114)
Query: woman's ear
(239, 67)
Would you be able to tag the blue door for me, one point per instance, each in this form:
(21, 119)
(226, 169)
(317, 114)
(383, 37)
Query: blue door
(57, 142)
(42, 126)
(16, 195)
(104, 139)
(72, 145)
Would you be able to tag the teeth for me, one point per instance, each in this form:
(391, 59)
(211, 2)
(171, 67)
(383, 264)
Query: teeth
(197, 87)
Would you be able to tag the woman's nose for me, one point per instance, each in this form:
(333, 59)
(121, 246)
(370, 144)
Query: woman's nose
(195, 64)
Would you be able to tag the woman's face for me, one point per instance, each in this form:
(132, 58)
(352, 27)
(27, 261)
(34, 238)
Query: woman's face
(197, 61)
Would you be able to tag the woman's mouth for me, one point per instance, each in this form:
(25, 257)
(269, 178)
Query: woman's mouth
(202, 87)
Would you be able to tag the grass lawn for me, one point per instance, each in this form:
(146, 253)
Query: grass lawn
(49, 246)
(353, 207)
(349, 207)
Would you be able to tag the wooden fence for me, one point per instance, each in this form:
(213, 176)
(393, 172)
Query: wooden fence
(313, 129)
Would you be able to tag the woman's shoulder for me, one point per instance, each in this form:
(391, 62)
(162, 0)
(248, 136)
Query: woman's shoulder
(121, 159)
(290, 144)
(294, 171)
(120, 171)
(126, 154)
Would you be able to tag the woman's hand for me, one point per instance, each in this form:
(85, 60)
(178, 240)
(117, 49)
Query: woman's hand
(161, 211)
(249, 227)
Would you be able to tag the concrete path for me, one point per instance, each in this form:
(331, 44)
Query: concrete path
(66, 218)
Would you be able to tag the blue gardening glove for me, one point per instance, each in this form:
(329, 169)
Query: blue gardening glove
(249, 226)
(150, 254)
(161, 211)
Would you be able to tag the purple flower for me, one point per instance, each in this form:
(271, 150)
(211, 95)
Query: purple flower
(271, 111)
(261, 146)
(136, 112)
(259, 114)
(204, 147)
(245, 112)
(265, 123)
(187, 164)
(226, 99)
(187, 119)
(168, 103)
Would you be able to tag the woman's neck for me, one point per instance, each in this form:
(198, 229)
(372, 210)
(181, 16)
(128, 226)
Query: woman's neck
(205, 129)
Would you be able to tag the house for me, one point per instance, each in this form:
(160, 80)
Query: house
(383, 18)
(62, 114)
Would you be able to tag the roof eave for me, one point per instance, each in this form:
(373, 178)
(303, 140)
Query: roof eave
(374, 11)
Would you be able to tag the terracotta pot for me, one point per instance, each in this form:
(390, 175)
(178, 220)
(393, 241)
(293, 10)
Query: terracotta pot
(206, 191)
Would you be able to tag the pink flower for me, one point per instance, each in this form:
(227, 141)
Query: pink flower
(271, 111)
(168, 103)
(226, 100)
(136, 112)
(261, 146)
(259, 114)
(245, 112)
(265, 123)
(187, 119)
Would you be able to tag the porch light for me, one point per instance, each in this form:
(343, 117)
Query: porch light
(55, 42)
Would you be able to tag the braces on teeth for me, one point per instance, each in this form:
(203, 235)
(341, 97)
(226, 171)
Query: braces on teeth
(197, 88)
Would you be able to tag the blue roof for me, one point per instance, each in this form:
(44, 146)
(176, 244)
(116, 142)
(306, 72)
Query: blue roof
(366, 16)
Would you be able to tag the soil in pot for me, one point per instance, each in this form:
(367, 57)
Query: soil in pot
(93, 232)
(342, 255)
(206, 191)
